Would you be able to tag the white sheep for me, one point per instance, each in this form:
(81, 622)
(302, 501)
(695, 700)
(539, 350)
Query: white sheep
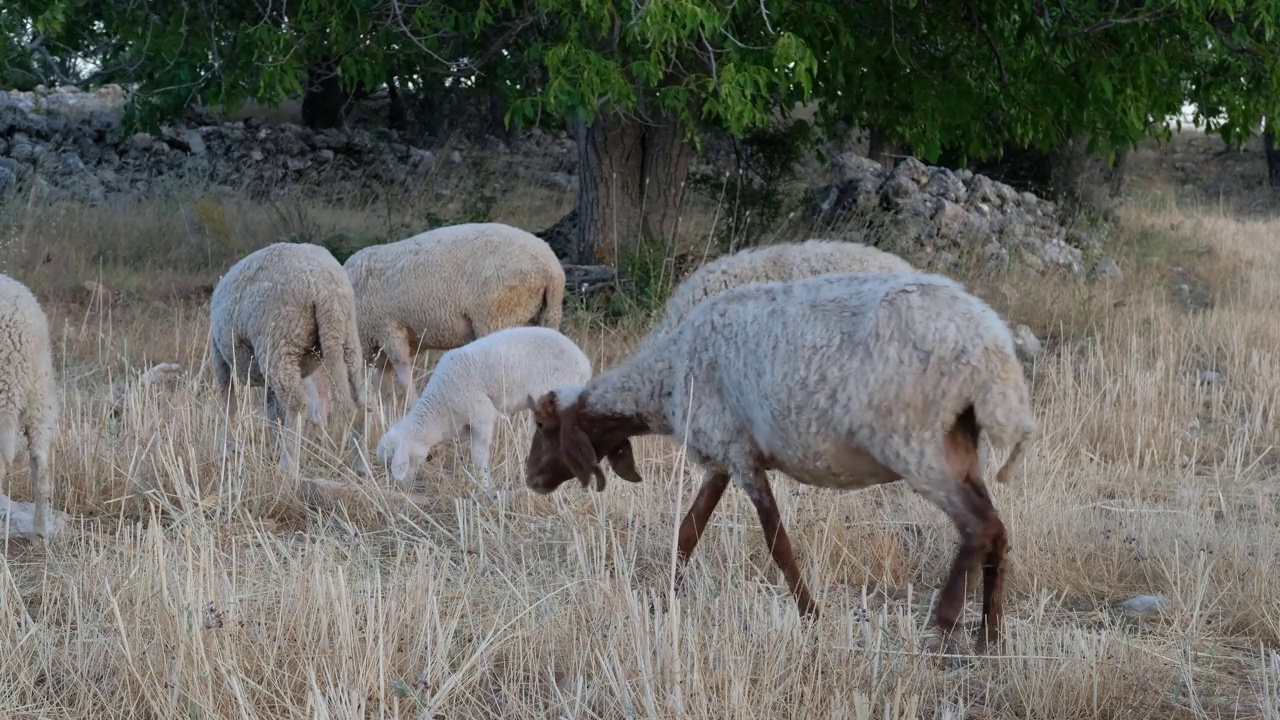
(770, 263)
(443, 288)
(28, 393)
(275, 317)
(473, 386)
(841, 381)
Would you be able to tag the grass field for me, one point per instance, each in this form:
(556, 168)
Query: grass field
(192, 588)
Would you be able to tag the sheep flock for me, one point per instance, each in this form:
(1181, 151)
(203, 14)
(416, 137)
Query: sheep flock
(833, 363)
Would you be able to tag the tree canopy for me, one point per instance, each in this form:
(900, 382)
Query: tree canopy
(960, 76)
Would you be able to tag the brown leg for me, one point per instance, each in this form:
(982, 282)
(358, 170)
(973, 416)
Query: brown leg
(696, 519)
(757, 487)
(982, 540)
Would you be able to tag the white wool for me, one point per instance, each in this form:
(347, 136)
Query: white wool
(446, 287)
(799, 372)
(473, 386)
(28, 392)
(275, 318)
(770, 263)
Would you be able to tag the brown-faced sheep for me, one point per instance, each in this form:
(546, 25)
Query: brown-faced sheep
(841, 381)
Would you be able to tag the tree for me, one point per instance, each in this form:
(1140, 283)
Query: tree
(642, 80)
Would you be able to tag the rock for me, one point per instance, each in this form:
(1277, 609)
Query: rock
(19, 518)
(950, 219)
(1209, 377)
(195, 143)
(944, 184)
(1106, 269)
(455, 157)
(1026, 343)
(898, 190)
(8, 182)
(850, 165)
(142, 141)
(1144, 604)
(913, 170)
(424, 161)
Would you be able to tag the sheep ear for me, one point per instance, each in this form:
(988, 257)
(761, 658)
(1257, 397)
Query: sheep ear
(623, 462)
(575, 448)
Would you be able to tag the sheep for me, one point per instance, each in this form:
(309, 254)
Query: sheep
(841, 381)
(275, 317)
(28, 394)
(472, 386)
(784, 261)
(445, 287)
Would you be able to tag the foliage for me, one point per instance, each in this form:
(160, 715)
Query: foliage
(966, 77)
(753, 195)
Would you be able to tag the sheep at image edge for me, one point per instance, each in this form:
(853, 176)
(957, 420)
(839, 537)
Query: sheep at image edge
(28, 394)
(769, 263)
(278, 315)
(842, 381)
(473, 386)
(443, 288)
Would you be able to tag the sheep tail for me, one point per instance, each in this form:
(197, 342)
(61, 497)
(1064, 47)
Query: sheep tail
(1003, 411)
(549, 314)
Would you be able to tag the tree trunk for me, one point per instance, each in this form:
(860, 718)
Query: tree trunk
(324, 100)
(395, 106)
(630, 184)
(1273, 155)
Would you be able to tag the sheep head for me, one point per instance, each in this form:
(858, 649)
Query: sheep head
(569, 442)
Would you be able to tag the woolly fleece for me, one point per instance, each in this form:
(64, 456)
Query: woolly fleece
(842, 381)
(446, 287)
(472, 386)
(277, 315)
(770, 263)
(28, 393)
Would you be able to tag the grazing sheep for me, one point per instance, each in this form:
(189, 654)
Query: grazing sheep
(770, 263)
(842, 381)
(443, 288)
(28, 395)
(277, 315)
(500, 374)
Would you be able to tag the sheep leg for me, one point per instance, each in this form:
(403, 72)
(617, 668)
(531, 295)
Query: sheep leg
(41, 485)
(756, 484)
(288, 422)
(696, 519)
(982, 540)
(996, 540)
(481, 431)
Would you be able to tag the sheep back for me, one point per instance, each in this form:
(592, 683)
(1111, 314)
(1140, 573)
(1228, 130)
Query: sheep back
(770, 263)
(454, 284)
(287, 301)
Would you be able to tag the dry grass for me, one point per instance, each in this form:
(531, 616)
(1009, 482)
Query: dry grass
(193, 588)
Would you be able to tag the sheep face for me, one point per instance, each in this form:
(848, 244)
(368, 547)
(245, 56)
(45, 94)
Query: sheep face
(569, 443)
(401, 455)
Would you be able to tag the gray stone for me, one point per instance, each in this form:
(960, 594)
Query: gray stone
(1144, 604)
(944, 184)
(143, 141)
(195, 143)
(912, 169)
(898, 190)
(8, 182)
(950, 219)
(19, 518)
(1209, 377)
(1106, 269)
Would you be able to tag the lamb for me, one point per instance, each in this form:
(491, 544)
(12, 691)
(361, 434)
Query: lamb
(842, 381)
(275, 317)
(784, 261)
(500, 374)
(446, 287)
(28, 394)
